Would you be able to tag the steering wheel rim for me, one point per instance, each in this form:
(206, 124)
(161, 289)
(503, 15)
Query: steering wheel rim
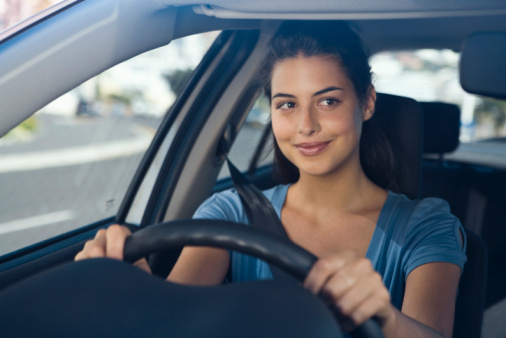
(221, 234)
(286, 255)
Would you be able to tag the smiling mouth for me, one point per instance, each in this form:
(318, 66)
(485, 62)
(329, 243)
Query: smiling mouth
(311, 149)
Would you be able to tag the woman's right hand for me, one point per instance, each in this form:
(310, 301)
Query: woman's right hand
(109, 243)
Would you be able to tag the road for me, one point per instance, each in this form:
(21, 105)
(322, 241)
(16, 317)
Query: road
(74, 171)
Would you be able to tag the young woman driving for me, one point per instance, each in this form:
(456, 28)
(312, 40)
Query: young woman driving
(380, 254)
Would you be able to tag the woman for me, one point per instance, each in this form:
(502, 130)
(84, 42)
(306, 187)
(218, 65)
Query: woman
(379, 254)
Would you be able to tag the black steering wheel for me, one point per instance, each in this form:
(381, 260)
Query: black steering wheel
(231, 236)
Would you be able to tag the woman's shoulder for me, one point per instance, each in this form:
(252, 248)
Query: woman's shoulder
(408, 218)
(419, 209)
(429, 232)
(227, 204)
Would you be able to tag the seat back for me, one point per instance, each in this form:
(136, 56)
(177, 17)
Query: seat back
(441, 179)
(441, 127)
(400, 119)
(441, 135)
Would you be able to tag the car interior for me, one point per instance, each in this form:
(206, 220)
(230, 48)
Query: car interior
(181, 166)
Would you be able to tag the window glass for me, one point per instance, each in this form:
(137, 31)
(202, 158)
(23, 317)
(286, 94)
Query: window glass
(13, 12)
(432, 75)
(71, 163)
(248, 139)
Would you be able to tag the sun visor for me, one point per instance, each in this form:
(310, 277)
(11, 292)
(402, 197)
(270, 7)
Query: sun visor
(483, 64)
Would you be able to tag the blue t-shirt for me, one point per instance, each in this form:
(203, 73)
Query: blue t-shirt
(407, 235)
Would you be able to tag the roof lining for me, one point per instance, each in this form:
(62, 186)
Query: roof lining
(222, 13)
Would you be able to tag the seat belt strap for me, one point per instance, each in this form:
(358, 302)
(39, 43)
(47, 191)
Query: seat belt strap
(258, 208)
(260, 213)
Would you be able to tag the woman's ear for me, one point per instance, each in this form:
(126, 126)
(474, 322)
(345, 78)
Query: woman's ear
(369, 104)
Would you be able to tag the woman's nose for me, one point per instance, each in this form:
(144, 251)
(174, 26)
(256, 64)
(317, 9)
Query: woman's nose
(308, 123)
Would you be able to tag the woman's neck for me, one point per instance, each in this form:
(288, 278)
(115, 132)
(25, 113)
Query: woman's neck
(348, 191)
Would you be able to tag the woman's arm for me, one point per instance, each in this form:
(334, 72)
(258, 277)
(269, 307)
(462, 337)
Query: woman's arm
(358, 292)
(200, 266)
(429, 300)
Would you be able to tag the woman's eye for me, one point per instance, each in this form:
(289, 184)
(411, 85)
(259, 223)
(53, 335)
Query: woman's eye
(286, 105)
(328, 102)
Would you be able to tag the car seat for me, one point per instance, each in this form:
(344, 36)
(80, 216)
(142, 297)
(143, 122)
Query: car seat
(401, 121)
(441, 135)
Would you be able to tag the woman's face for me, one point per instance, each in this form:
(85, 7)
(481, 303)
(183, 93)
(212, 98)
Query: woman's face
(316, 115)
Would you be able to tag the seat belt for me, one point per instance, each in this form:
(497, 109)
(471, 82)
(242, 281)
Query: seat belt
(261, 215)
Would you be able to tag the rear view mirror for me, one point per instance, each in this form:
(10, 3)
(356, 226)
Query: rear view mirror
(483, 64)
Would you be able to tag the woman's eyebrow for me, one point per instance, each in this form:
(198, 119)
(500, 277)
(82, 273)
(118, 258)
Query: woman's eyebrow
(323, 91)
(283, 95)
(328, 89)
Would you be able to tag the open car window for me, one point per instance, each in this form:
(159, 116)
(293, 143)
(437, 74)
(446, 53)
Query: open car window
(71, 163)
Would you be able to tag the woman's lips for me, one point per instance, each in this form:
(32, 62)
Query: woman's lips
(311, 149)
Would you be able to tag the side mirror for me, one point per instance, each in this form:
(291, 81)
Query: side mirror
(483, 64)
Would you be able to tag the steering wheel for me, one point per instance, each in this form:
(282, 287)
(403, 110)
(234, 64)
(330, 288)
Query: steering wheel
(230, 236)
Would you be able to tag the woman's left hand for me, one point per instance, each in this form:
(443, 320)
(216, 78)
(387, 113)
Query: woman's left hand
(352, 285)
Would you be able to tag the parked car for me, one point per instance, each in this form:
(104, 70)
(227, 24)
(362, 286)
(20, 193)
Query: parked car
(72, 177)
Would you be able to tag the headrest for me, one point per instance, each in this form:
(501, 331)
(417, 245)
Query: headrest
(441, 127)
(483, 64)
(400, 119)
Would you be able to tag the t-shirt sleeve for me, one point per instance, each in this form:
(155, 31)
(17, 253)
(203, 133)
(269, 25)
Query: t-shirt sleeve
(435, 235)
(225, 206)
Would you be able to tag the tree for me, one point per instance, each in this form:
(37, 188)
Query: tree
(177, 79)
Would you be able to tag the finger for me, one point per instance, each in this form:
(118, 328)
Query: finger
(355, 296)
(79, 256)
(96, 248)
(319, 274)
(116, 235)
(361, 302)
(337, 285)
(358, 282)
(374, 306)
(83, 253)
(323, 270)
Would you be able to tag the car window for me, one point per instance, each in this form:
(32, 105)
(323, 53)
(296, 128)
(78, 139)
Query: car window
(248, 141)
(433, 75)
(71, 163)
(13, 12)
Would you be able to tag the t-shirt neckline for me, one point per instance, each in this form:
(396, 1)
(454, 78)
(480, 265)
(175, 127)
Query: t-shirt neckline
(280, 197)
